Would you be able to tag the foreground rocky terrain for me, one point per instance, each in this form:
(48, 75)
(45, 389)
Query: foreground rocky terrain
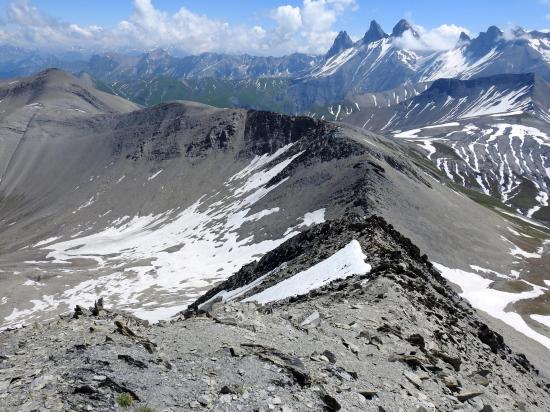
(393, 338)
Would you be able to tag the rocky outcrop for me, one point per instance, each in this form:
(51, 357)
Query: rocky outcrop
(374, 33)
(341, 43)
(401, 27)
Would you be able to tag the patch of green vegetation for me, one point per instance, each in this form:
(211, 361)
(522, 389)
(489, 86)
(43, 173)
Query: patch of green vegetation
(543, 214)
(145, 409)
(446, 151)
(125, 400)
(263, 94)
(503, 210)
(524, 195)
(471, 181)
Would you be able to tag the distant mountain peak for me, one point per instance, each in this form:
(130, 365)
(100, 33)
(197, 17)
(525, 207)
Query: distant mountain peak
(493, 32)
(341, 43)
(53, 75)
(536, 34)
(519, 32)
(374, 33)
(464, 38)
(485, 41)
(401, 27)
(157, 53)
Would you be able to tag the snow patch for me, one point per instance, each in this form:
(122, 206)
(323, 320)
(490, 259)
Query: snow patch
(314, 218)
(155, 175)
(47, 241)
(476, 290)
(346, 262)
(178, 253)
(545, 320)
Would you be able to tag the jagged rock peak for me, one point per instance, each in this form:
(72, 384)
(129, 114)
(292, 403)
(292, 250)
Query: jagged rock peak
(464, 38)
(485, 41)
(519, 32)
(493, 33)
(401, 27)
(341, 43)
(374, 33)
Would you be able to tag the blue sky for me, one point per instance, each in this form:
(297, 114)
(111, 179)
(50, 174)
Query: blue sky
(474, 14)
(285, 25)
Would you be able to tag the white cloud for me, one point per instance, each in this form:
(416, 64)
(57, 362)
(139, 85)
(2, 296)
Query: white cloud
(288, 19)
(28, 26)
(444, 37)
(307, 28)
(511, 32)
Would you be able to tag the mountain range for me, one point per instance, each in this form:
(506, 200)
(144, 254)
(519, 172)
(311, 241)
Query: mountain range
(375, 63)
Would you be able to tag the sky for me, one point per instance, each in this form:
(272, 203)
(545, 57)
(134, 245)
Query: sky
(260, 27)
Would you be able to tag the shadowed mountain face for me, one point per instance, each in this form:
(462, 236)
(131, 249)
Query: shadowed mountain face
(150, 208)
(341, 43)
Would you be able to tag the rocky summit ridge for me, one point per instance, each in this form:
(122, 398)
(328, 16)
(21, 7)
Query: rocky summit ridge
(396, 337)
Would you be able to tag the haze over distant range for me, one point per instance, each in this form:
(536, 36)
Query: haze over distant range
(274, 27)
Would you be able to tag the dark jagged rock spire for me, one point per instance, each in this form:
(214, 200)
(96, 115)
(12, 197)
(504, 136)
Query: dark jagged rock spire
(374, 33)
(464, 38)
(341, 43)
(483, 43)
(401, 27)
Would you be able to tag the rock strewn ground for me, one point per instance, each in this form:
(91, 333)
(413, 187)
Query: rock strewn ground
(394, 339)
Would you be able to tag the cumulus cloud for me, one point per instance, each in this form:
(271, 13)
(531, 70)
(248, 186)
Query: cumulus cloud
(288, 19)
(27, 25)
(443, 37)
(307, 27)
(304, 28)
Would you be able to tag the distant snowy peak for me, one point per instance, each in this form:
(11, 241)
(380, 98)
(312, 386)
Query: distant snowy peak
(454, 99)
(486, 41)
(491, 53)
(374, 33)
(401, 27)
(341, 43)
(464, 38)
(378, 62)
